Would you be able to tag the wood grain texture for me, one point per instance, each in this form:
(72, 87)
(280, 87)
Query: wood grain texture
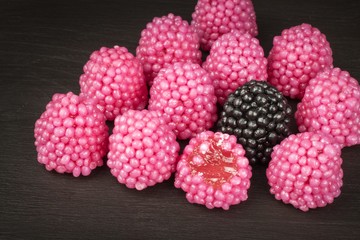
(43, 46)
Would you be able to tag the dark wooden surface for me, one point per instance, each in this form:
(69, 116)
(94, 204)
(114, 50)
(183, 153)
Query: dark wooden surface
(43, 46)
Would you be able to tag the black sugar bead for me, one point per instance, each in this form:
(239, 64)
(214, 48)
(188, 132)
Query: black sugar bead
(237, 114)
(231, 122)
(252, 125)
(247, 98)
(242, 123)
(272, 138)
(229, 130)
(237, 132)
(247, 133)
(271, 126)
(242, 141)
(251, 143)
(252, 114)
(259, 133)
(237, 102)
(261, 99)
(263, 121)
(244, 107)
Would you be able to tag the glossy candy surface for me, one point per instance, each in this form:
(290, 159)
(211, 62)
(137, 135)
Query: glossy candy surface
(259, 116)
(213, 171)
(71, 135)
(142, 150)
(115, 78)
(332, 105)
(184, 94)
(305, 170)
(235, 58)
(213, 18)
(164, 41)
(297, 55)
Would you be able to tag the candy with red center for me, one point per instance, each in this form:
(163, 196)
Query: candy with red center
(213, 171)
(213, 18)
(235, 58)
(115, 78)
(332, 105)
(164, 41)
(296, 57)
(184, 94)
(142, 150)
(305, 170)
(71, 135)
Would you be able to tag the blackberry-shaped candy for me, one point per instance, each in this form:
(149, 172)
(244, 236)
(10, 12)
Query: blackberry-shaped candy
(259, 116)
(235, 58)
(213, 171)
(184, 94)
(213, 18)
(71, 136)
(142, 149)
(164, 41)
(296, 57)
(305, 170)
(331, 105)
(115, 78)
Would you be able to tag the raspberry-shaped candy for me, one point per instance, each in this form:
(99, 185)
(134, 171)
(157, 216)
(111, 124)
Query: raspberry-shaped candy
(213, 18)
(305, 170)
(143, 150)
(71, 135)
(164, 41)
(259, 116)
(184, 94)
(332, 105)
(213, 171)
(296, 57)
(115, 78)
(235, 59)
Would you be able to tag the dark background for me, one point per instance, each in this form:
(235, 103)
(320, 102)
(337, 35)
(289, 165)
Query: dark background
(43, 46)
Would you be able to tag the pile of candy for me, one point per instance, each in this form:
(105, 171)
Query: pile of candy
(183, 95)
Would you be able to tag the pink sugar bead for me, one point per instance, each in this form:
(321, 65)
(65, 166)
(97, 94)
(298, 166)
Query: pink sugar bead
(213, 171)
(142, 149)
(183, 93)
(115, 78)
(331, 104)
(296, 57)
(164, 41)
(308, 180)
(213, 18)
(235, 58)
(67, 145)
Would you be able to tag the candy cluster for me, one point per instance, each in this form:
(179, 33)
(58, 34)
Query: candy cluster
(213, 171)
(115, 78)
(167, 40)
(332, 105)
(211, 19)
(142, 149)
(184, 94)
(71, 135)
(304, 169)
(296, 57)
(235, 59)
(259, 116)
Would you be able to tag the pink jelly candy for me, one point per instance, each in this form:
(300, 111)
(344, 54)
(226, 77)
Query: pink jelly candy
(71, 135)
(305, 170)
(332, 105)
(213, 171)
(142, 150)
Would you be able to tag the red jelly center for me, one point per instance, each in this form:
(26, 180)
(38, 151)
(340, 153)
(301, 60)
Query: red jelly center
(217, 165)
